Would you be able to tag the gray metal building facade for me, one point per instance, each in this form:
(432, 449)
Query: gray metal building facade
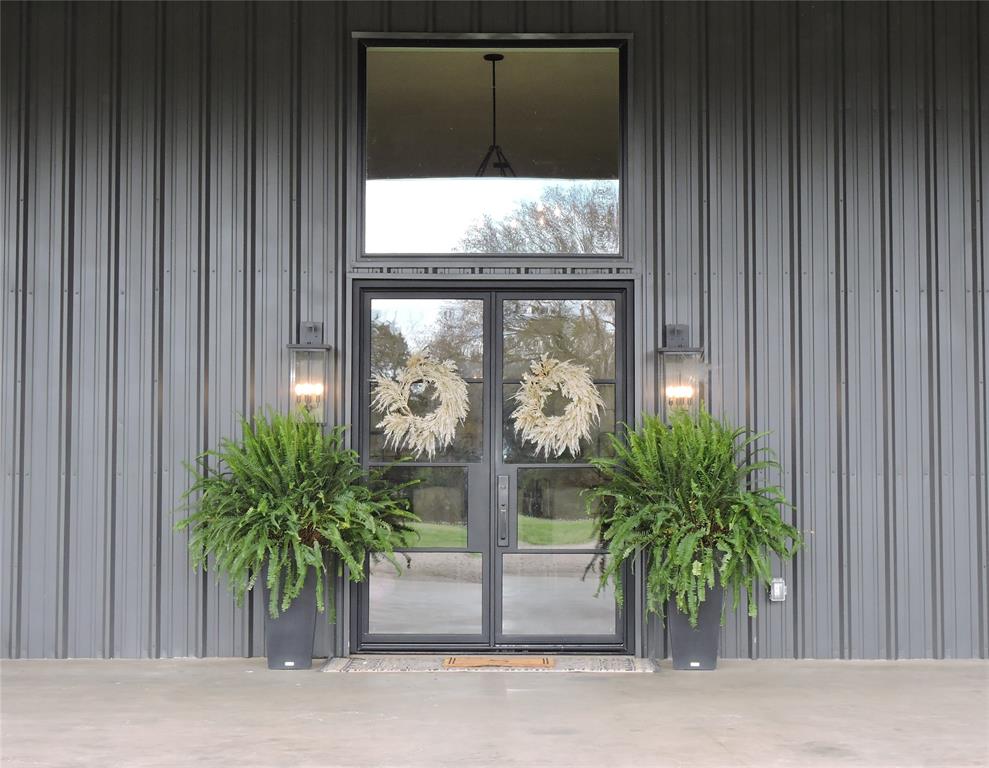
(805, 188)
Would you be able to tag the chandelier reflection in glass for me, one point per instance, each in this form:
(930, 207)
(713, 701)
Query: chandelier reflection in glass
(494, 150)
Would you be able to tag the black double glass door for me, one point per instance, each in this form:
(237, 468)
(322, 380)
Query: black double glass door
(506, 554)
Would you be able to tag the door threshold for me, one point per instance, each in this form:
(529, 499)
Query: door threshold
(434, 649)
(486, 662)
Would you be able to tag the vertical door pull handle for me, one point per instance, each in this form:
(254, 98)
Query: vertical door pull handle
(502, 510)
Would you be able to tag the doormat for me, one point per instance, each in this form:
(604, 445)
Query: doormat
(468, 663)
(513, 662)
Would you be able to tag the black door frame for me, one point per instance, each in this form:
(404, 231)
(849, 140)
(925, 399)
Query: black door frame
(363, 290)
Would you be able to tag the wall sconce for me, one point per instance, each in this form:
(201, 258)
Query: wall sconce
(308, 365)
(684, 372)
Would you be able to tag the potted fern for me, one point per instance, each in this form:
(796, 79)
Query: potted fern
(281, 503)
(689, 496)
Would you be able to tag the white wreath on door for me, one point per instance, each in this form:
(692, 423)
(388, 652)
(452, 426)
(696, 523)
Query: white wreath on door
(435, 430)
(552, 435)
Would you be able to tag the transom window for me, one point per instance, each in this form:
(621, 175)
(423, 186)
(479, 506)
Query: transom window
(492, 150)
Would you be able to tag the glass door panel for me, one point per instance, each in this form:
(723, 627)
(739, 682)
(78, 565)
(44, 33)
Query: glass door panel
(439, 593)
(548, 567)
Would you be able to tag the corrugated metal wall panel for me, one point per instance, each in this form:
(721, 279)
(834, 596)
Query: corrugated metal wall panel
(229, 361)
(89, 342)
(319, 221)
(980, 316)
(729, 73)
(807, 182)
(50, 203)
(952, 275)
(182, 341)
(179, 354)
(908, 232)
(12, 94)
(139, 317)
(771, 152)
(862, 468)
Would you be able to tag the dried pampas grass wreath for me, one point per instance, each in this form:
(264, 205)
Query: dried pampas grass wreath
(421, 434)
(552, 435)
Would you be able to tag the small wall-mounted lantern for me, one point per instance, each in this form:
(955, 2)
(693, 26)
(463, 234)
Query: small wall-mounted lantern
(308, 362)
(684, 371)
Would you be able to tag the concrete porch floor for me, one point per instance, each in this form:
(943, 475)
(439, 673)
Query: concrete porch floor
(233, 712)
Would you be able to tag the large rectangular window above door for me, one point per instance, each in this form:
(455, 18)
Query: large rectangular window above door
(492, 150)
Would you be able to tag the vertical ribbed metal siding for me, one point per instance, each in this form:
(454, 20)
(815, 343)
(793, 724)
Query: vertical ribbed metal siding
(808, 182)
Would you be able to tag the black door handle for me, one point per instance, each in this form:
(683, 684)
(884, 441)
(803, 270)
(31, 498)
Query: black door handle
(502, 510)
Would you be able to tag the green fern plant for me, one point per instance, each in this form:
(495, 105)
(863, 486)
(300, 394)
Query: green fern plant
(286, 495)
(688, 496)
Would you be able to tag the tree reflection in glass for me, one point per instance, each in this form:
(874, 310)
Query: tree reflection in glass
(582, 331)
(572, 218)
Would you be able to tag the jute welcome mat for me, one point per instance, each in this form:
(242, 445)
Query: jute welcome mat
(509, 662)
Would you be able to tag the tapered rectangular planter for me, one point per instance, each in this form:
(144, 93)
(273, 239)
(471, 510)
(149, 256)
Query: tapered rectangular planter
(696, 648)
(289, 638)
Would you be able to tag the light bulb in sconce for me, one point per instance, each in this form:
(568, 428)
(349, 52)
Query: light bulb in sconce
(309, 389)
(680, 392)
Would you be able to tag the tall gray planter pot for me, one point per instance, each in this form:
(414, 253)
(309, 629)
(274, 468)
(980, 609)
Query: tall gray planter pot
(289, 638)
(696, 648)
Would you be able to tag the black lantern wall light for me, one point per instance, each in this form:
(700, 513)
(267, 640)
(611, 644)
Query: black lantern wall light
(684, 373)
(308, 365)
